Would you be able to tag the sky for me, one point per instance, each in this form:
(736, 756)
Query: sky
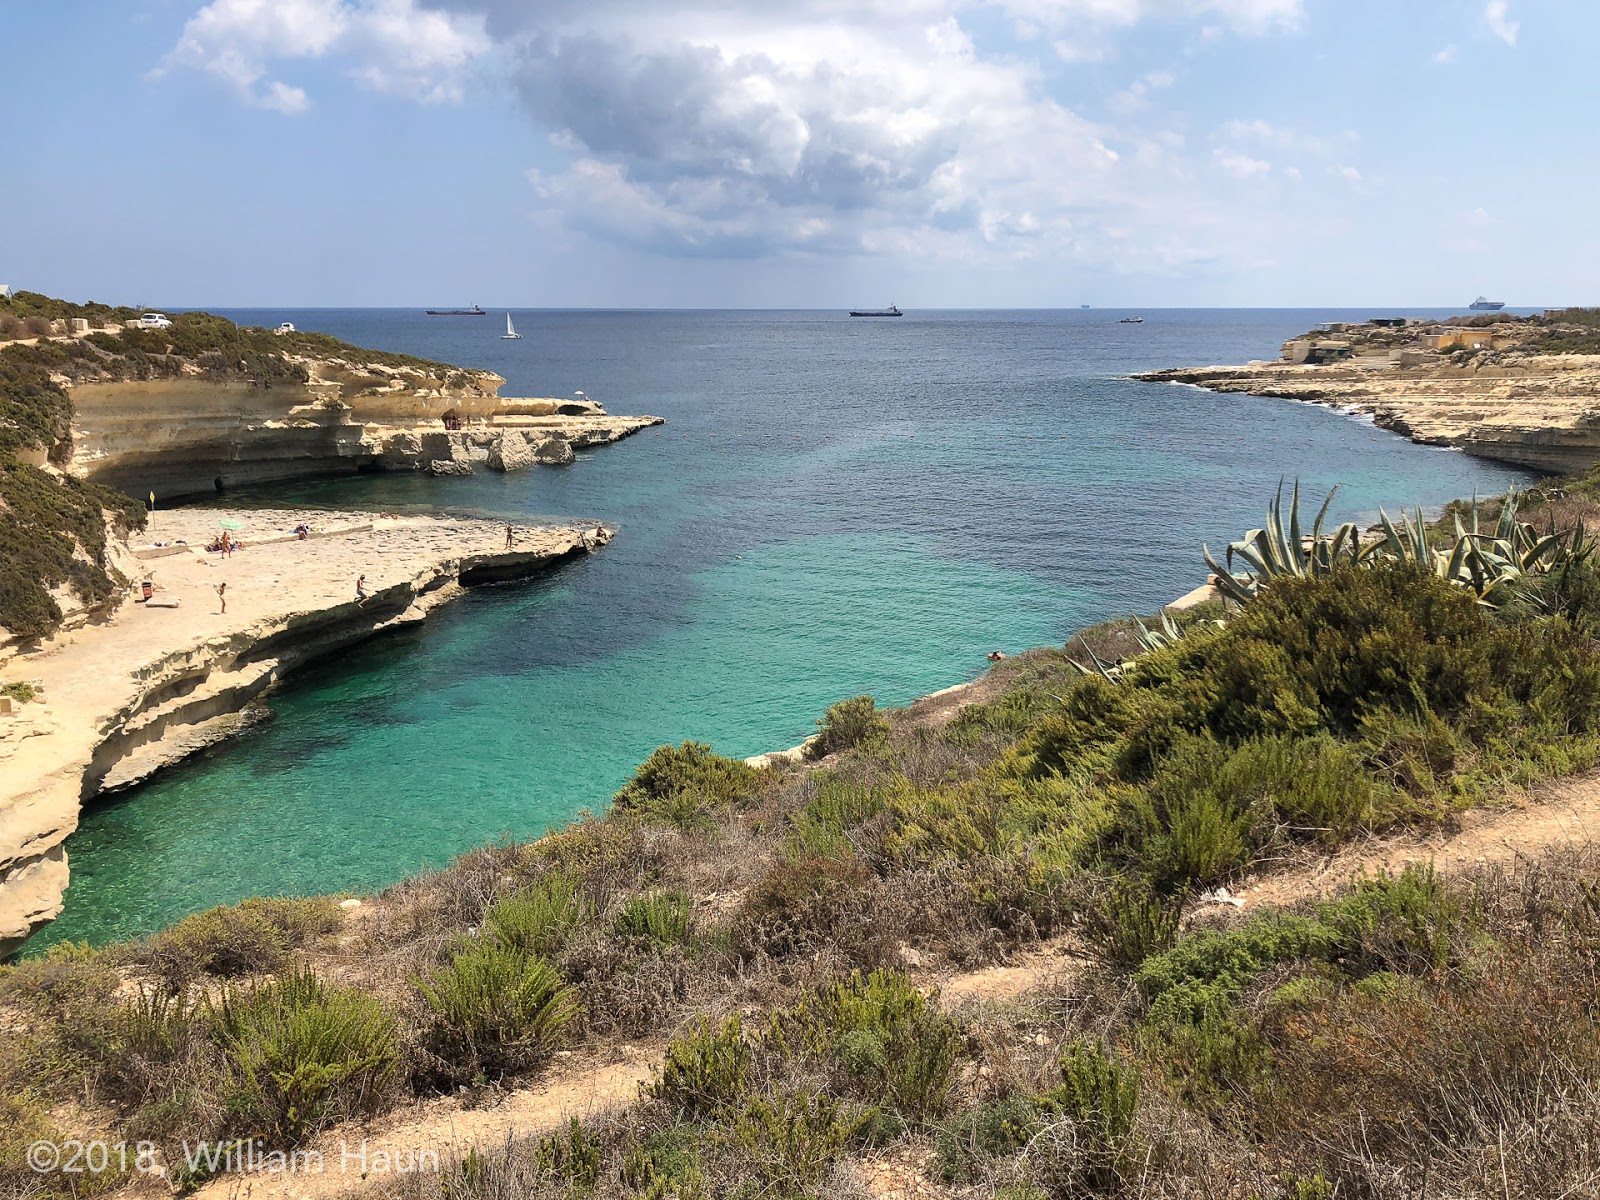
(800, 153)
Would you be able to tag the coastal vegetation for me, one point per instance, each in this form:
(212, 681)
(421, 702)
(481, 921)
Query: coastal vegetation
(778, 929)
(54, 529)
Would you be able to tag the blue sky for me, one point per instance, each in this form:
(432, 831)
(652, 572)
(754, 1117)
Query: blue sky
(1004, 153)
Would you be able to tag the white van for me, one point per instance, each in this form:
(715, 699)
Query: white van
(155, 321)
(286, 327)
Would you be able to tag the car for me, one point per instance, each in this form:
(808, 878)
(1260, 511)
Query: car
(286, 327)
(155, 320)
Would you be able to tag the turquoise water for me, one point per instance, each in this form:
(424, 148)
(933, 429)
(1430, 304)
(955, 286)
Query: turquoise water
(832, 508)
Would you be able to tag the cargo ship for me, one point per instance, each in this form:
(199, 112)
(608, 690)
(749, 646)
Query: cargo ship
(474, 311)
(1482, 305)
(891, 311)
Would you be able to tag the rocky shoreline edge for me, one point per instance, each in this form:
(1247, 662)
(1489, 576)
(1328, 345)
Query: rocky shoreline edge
(1539, 412)
(116, 701)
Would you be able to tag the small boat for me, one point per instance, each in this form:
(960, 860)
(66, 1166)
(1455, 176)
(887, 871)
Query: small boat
(474, 311)
(1131, 321)
(1483, 305)
(891, 311)
(511, 330)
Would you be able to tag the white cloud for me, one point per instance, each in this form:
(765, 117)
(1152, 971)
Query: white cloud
(1497, 15)
(819, 127)
(1244, 16)
(1242, 166)
(1446, 54)
(388, 45)
(1136, 95)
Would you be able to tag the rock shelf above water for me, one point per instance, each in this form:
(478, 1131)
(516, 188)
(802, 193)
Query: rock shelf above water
(152, 683)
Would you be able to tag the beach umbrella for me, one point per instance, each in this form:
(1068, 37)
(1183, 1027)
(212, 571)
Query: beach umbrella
(229, 523)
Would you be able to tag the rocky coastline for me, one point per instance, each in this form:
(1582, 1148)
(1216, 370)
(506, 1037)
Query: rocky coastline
(1490, 396)
(117, 700)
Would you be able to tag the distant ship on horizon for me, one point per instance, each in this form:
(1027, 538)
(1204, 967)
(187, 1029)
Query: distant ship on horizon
(474, 311)
(891, 311)
(1483, 305)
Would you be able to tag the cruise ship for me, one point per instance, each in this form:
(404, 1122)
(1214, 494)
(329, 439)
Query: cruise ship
(1482, 305)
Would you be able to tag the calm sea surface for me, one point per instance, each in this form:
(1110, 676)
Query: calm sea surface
(834, 506)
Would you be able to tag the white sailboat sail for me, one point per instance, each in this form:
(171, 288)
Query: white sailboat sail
(511, 330)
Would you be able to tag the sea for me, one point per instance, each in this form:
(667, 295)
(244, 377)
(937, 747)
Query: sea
(834, 506)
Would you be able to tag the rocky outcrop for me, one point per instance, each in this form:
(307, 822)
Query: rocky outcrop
(448, 466)
(1540, 411)
(510, 452)
(177, 437)
(555, 451)
(123, 700)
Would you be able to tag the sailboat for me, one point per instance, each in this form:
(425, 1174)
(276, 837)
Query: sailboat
(511, 330)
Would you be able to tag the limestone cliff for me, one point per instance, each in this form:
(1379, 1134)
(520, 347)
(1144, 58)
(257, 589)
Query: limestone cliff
(119, 700)
(1489, 390)
(177, 436)
(95, 408)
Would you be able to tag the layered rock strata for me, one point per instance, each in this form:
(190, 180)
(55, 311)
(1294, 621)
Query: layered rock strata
(1532, 410)
(121, 699)
(176, 437)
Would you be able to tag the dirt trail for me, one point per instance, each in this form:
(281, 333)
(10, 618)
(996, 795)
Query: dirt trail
(1559, 814)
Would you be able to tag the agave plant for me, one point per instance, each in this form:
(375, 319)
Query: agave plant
(1280, 549)
(1151, 638)
(1484, 561)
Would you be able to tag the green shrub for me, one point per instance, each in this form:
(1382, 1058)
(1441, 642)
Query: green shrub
(536, 919)
(305, 1053)
(965, 1142)
(495, 1010)
(1100, 1095)
(838, 807)
(684, 784)
(848, 724)
(1407, 923)
(571, 1156)
(705, 1068)
(888, 1038)
(659, 917)
(793, 1139)
(253, 937)
(19, 691)
(1130, 923)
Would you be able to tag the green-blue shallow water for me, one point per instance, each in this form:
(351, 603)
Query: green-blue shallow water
(834, 507)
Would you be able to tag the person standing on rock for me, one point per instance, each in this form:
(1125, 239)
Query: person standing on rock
(222, 596)
(361, 590)
(508, 537)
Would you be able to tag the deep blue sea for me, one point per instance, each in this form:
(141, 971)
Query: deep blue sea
(834, 506)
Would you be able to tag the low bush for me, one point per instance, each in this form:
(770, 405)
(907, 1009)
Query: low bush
(1099, 1094)
(494, 1011)
(849, 724)
(682, 785)
(658, 917)
(305, 1054)
(1130, 923)
(253, 937)
(887, 1037)
(705, 1068)
(792, 1139)
(536, 919)
(966, 1142)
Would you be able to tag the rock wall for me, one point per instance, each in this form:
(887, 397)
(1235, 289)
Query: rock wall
(175, 437)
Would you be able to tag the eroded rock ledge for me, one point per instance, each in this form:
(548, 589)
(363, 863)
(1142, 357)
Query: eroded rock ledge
(176, 437)
(122, 699)
(1540, 411)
